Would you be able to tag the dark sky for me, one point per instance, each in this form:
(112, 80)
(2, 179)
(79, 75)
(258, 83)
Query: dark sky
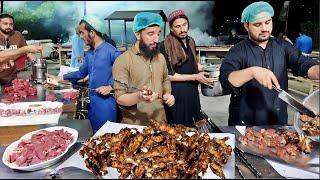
(299, 11)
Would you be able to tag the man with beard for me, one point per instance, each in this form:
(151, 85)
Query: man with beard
(179, 49)
(143, 67)
(254, 65)
(10, 39)
(98, 61)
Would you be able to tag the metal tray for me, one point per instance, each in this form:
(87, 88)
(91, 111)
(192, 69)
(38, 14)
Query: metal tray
(312, 102)
(302, 160)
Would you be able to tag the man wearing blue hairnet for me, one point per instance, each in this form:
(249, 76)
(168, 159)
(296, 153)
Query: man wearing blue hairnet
(253, 65)
(143, 67)
(97, 64)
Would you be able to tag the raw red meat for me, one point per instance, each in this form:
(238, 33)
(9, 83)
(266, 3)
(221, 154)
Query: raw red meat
(42, 146)
(51, 97)
(71, 95)
(19, 90)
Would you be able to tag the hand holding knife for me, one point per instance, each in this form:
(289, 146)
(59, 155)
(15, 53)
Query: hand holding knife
(283, 95)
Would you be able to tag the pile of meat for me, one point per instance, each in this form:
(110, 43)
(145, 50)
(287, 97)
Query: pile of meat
(42, 146)
(160, 151)
(71, 95)
(51, 97)
(284, 144)
(19, 90)
(311, 126)
(67, 96)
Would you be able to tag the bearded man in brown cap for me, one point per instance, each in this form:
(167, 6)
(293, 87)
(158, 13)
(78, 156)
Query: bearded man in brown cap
(179, 50)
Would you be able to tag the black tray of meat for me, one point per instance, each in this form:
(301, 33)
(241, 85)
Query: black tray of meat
(282, 144)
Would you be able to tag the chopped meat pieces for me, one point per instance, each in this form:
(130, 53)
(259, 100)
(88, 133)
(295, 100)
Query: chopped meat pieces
(311, 126)
(71, 95)
(42, 146)
(51, 97)
(286, 145)
(19, 90)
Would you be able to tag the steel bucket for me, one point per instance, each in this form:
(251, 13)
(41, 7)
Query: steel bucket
(39, 70)
(216, 90)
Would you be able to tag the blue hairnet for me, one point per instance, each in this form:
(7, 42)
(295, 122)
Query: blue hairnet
(251, 12)
(96, 23)
(145, 19)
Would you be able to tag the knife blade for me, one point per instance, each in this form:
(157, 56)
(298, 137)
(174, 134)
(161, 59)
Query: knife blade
(283, 95)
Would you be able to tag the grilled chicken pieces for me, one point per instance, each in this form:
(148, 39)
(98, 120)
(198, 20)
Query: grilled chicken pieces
(160, 151)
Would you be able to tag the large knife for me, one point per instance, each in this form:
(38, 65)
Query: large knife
(293, 102)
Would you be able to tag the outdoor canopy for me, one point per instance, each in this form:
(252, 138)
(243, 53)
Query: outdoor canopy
(128, 16)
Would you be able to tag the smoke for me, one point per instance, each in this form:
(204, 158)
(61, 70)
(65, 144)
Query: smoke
(202, 38)
(198, 12)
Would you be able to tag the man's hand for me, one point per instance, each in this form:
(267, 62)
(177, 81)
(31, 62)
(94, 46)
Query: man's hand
(147, 95)
(33, 48)
(104, 90)
(51, 79)
(201, 77)
(265, 77)
(169, 99)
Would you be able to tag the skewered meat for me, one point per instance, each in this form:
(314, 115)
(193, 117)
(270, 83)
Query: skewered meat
(160, 151)
(32, 109)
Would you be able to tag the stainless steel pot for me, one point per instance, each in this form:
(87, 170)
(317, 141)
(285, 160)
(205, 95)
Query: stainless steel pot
(216, 90)
(39, 70)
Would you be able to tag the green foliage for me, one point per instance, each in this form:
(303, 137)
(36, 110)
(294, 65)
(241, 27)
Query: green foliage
(45, 19)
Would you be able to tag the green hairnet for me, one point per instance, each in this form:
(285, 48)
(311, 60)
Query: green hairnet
(145, 19)
(253, 12)
(96, 23)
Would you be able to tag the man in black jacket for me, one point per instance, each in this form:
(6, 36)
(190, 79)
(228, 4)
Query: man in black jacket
(252, 66)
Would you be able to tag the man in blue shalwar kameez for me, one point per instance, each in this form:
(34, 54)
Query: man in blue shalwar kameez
(97, 64)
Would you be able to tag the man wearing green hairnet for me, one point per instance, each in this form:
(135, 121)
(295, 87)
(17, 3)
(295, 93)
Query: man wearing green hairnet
(98, 65)
(252, 66)
(143, 67)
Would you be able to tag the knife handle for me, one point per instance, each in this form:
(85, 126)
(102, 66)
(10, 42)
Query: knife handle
(275, 88)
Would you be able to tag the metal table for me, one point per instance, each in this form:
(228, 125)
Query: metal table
(261, 164)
